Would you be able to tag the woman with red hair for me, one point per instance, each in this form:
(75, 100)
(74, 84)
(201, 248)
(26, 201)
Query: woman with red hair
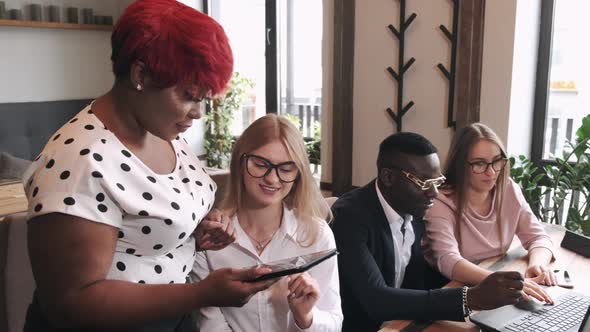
(116, 193)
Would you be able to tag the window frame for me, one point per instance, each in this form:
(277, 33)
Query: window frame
(542, 83)
(271, 53)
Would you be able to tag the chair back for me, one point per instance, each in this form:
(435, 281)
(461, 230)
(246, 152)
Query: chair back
(16, 277)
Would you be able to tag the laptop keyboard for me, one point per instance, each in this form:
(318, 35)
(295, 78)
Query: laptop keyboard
(568, 313)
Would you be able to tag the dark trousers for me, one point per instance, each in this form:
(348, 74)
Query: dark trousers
(37, 322)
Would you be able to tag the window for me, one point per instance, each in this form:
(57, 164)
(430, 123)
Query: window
(277, 44)
(563, 78)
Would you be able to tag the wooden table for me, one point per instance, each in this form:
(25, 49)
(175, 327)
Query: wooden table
(515, 260)
(12, 198)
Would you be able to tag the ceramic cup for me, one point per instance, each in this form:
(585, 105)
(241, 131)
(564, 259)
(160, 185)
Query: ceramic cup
(15, 14)
(36, 12)
(53, 12)
(98, 19)
(87, 16)
(3, 14)
(72, 15)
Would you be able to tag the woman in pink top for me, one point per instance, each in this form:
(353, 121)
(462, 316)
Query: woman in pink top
(463, 227)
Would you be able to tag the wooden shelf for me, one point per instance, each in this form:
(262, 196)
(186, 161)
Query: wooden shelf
(55, 25)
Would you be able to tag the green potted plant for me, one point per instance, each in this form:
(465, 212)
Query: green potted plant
(218, 120)
(312, 144)
(568, 178)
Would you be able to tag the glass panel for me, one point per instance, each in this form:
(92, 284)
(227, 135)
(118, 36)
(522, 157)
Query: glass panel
(569, 85)
(300, 58)
(300, 61)
(244, 24)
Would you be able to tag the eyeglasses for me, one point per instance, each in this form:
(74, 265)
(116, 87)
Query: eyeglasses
(479, 167)
(424, 185)
(259, 167)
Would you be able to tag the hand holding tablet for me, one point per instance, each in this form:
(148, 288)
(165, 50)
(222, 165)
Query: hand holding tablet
(294, 265)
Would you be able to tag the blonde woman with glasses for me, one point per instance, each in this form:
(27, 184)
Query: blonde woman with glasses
(479, 210)
(278, 212)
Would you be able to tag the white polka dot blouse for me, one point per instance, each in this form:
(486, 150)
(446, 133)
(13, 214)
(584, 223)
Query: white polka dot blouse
(85, 171)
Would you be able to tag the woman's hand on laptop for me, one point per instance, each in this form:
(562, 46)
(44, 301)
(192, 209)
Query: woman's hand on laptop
(304, 292)
(541, 275)
(532, 289)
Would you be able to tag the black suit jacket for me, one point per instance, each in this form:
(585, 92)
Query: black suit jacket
(367, 269)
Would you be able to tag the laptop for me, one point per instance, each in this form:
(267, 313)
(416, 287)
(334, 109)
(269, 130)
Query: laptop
(568, 314)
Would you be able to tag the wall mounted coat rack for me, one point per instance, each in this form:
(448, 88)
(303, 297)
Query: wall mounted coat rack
(450, 74)
(402, 65)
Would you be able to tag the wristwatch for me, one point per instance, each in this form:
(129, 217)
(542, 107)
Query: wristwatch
(466, 310)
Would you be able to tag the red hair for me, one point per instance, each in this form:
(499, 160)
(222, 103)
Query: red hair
(178, 45)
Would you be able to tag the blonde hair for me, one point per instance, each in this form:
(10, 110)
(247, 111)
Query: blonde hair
(305, 198)
(457, 170)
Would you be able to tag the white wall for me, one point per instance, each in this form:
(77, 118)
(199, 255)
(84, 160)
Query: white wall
(497, 65)
(53, 64)
(374, 90)
(509, 71)
(507, 75)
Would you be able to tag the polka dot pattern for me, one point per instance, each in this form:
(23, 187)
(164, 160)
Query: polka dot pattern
(87, 172)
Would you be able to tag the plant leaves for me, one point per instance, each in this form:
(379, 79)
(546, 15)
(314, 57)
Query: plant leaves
(584, 131)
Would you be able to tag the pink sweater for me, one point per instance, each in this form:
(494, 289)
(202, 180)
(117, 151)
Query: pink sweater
(479, 237)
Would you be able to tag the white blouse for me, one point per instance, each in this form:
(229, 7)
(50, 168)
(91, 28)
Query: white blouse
(85, 171)
(268, 310)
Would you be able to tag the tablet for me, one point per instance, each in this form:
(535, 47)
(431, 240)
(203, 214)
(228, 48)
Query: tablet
(295, 264)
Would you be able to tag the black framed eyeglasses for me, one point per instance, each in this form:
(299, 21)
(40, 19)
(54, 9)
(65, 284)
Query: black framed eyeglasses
(481, 166)
(423, 185)
(259, 167)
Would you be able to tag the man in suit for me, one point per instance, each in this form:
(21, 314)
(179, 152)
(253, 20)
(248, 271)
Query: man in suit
(378, 229)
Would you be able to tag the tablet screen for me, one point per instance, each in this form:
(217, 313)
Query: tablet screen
(295, 264)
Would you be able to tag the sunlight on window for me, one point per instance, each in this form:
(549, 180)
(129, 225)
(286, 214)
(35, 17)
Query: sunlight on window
(569, 87)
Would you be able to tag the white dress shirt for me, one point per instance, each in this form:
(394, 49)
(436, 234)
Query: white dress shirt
(402, 243)
(269, 310)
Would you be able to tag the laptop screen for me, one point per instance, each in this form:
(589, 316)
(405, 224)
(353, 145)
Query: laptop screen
(585, 327)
